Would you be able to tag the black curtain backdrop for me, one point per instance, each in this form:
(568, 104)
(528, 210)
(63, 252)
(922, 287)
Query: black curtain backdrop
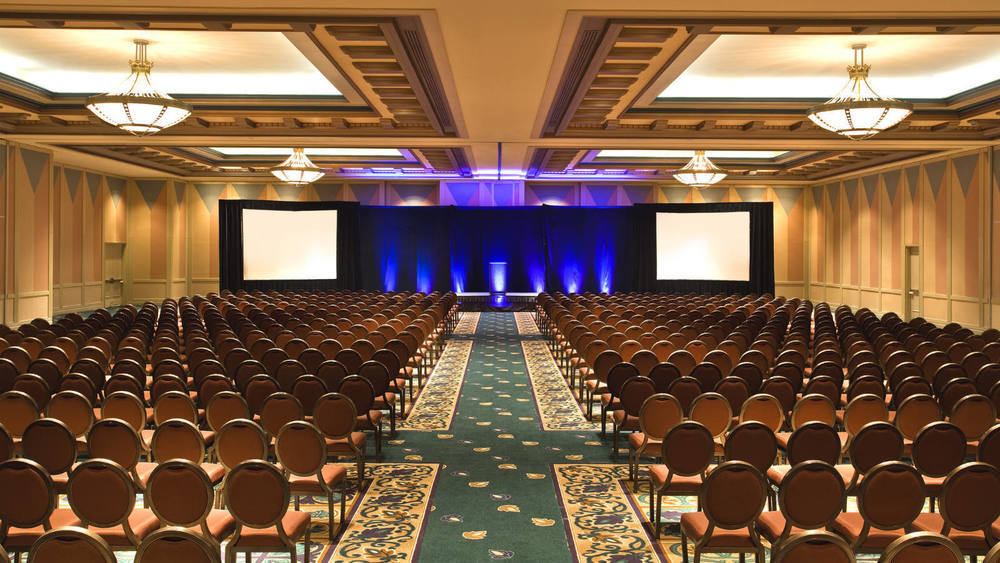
(231, 245)
(761, 249)
(568, 249)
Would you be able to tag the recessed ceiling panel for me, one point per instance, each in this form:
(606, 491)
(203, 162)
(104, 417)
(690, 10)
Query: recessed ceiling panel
(628, 154)
(284, 151)
(184, 62)
(814, 66)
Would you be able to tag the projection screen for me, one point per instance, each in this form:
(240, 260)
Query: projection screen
(289, 245)
(703, 246)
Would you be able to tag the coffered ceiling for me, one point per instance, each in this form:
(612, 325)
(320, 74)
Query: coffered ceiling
(520, 88)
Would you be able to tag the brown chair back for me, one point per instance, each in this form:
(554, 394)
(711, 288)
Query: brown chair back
(814, 441)
(811, 495)
(27, 496)
(257, 494)
(180, 493)
(177, 438)
(813, 546)
(754, 443)
(659, 413)
(51, 443)
(891, 496)
(335, 415)
(713, 411)
(225, 406)
(733, 495)
(170, 545)
(938, 449)
(102, 495)
(688, 449)
(238, 440)
(921, 547)
(71, 544)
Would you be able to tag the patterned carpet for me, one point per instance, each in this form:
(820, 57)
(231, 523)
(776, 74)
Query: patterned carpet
(496, 461)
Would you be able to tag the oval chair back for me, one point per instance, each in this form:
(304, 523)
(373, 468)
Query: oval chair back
(71, 544)
(170, 545)
(925, 546)
(812, 546)
(240, 440)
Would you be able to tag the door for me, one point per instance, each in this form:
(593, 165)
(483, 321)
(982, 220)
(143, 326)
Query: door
(911, 287)
(114, 253)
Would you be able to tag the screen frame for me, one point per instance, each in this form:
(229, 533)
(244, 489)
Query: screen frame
(231, 246)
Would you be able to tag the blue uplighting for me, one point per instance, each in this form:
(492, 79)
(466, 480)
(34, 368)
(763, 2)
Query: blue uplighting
(498, 277)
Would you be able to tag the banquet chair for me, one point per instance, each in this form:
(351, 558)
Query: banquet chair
(731, 499)
(71, 543)
(174, 544)
(257, 495)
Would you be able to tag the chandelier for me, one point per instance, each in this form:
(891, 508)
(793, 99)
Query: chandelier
(298, 169)
(858, 111)
(699, 172)
(136, 106)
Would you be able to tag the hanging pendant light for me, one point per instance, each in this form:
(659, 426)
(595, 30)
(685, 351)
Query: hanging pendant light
(858, 111)
(298, 169)
(699, 172)
(136, 106)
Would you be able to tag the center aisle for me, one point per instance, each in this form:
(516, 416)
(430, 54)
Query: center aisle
(495, 497)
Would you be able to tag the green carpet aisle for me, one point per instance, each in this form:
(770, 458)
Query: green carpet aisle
(494, 498)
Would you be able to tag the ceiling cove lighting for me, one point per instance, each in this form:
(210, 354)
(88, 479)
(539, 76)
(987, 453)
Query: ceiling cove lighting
(136, 106)
(298, 169)
(858, 111)
(699, 172)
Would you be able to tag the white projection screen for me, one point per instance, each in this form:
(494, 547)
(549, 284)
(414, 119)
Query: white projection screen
(703, 246)
(289, 245)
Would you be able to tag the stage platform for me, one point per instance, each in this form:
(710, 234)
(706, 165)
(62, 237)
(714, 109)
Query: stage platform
(483, 301)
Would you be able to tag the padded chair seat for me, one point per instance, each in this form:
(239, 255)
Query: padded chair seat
(383, 403)
(624, 421)
(147, 437)
(695, 526)
(652, 446)
(144, 469)
(933, 485)
(215, 472)
(341, 447)
(209, 437)
(847, 473)
(782, 438)
(220, 524)
(610, 402)
(770, 524)
(934, 522)
(678, 483)
(375, 415)
(294, 523)
(24, 537)
(776, 473)
(331, 474)
(850, 524)
(142, 521)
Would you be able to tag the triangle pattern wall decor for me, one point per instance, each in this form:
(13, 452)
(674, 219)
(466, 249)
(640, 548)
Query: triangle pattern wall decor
(755, 194)
(676, 194)
(818, 196)
(714, 194)
(179, 191)
(150, 190)
(34, 164)
(851, 191)
(287, 192)
(870, 184)
(249, 191)
(891, 179)
(912, 179)
(935, 175)
(327, 192)
(94, 185)
(73, 178)
(788, 197)
(116, 187)
(965, 167)
(210, 194)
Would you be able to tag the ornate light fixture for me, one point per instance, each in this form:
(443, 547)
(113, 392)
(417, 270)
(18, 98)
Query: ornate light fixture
(858, 111)
(136, 106)
(699, 172)
(298, 169)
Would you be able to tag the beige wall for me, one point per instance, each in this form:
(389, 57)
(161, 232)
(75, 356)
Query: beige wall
(860, 226)
(841, 241)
